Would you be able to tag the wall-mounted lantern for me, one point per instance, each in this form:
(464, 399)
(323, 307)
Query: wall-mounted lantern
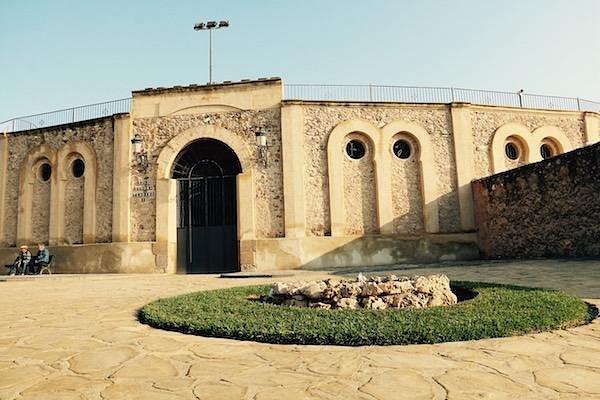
(139, 152)
(263, 146)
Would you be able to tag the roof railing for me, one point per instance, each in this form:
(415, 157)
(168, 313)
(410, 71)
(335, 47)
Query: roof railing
(444, 95)
(66, 116)
(346, 93)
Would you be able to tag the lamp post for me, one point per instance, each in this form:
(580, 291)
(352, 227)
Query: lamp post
(520, 93)
(209, 26)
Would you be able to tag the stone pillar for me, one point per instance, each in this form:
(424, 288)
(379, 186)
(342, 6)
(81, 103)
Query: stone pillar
(383, 183)
(166, 231)
(121, 179)
(463, 154)
(245, 213)
(292, 148)
(3, 172)
(592, 127)
(56, 231)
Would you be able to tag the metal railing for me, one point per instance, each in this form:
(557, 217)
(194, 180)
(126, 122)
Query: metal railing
(444, 95)
(367, 93)
(66, 116)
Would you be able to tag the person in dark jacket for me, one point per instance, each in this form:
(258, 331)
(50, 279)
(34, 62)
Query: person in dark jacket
(22, 261)
(41, 259)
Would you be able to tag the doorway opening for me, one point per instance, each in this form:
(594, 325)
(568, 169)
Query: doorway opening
(207, 237)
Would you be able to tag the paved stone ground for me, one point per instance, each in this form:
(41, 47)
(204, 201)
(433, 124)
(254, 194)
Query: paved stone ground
(78, 338)
(577, 276)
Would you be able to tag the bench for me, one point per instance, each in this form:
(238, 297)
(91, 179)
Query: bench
(46, 268)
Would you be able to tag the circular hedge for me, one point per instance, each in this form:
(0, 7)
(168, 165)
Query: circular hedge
(495, 311)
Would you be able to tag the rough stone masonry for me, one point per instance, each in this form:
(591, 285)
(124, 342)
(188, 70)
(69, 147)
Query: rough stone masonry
(375, 293)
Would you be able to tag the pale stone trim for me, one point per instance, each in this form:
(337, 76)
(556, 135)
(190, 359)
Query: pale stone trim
(27, 177)
(245, 220)
(381, 138)
(201, 109)
(548, 132)
(65, 156)
(3, 176)
(462, 133)
(335, 162)
(292, 149)
(429, 178)
(121, 210)
(175, 145)
(592, 127)
(166, 192)
(256, 95)
(531, 141)
(513, 129)
(519, 110)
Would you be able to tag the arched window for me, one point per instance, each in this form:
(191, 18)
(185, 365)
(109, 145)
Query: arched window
(356, 149)
(515, 151)
(78, 168)
(549, 148)
(44, 172)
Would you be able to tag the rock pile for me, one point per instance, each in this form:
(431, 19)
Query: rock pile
(376, 293)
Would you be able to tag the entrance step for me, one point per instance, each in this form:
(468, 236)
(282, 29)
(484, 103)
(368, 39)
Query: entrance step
(250, 274)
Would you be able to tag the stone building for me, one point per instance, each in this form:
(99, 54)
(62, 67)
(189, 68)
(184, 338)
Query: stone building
(231, 176)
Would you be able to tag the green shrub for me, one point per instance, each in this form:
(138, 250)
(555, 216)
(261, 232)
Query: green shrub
(496, 311)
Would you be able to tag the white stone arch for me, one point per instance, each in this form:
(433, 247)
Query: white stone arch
(166, 194)
(66, 154)
(176, 144)
(380, 139)
(511, 129)
(335, 160)
(547, 132)
(428, 178)
(27, 176)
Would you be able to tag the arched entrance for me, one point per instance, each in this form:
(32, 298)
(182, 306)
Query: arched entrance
(207, 237)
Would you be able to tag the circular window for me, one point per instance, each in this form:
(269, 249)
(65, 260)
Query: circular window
(355, 149)
(546, 151)
(402, 149)
(511, 150)
(45, 172)
(78, 168)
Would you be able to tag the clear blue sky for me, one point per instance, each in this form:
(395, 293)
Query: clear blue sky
(59, 53)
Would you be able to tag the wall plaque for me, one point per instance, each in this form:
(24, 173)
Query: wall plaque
(143, 189)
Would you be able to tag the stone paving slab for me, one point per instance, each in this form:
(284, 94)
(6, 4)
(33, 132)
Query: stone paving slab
(80, 339)
(580, 277)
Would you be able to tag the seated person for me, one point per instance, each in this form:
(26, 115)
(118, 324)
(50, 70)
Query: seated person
(22, 261)
(41, 259)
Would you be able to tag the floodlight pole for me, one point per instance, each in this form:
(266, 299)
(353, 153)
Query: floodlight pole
(210, 56)
(209, 26)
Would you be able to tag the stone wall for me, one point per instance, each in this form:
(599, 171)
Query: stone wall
(486, 120)
(424, 188)
(268, 185)
(407, 200)
(74, 210)
(99, 258)
(546, 209)
(40, 213)
(99, 135)
(319, 121)
(360, 203)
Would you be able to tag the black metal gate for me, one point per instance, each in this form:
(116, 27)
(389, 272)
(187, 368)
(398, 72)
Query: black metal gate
(207, 215)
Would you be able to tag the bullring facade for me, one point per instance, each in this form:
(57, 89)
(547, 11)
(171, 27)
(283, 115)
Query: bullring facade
(181, 183)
